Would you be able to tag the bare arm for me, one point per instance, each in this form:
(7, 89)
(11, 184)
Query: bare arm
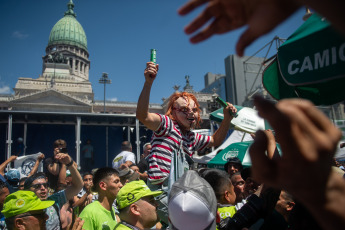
(150, 120)
(37, 163)
(5, 163)
(77, 181)
(218, 137)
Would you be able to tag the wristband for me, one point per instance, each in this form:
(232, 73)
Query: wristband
(70, 163)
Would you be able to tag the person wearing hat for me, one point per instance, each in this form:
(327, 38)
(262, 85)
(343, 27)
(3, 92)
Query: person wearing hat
(233, 165)
(137, 206)
(24, 210)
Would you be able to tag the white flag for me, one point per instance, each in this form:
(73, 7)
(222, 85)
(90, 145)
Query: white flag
(25, 164)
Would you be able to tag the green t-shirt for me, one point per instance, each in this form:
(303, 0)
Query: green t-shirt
(97, 217)
(120, 226)
(226, 211)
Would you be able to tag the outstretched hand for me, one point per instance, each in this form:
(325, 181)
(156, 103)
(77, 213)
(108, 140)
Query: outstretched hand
(261, 16)
(151, 71)
(63, 158)
(308, 140)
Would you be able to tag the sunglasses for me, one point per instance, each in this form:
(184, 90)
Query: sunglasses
(38, 186)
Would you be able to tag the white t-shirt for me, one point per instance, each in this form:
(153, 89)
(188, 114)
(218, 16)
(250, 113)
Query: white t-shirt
(122, 157)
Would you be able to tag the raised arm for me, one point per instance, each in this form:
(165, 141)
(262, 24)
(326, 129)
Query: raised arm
(218, 137)
(77, 181)
(5, 163)
(37, 163)
(150, 120)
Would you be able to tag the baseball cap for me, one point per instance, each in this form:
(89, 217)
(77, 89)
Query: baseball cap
(13, 175)
(23, 201)
(233, 160)
(192, 200)
(132, 192)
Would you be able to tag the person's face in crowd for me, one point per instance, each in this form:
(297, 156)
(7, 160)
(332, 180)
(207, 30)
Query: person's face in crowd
(112, 185)
(185, 113)
(233, 168)
(250, 186)
(88, 181)
(21, 185)
(32, 220)
(147, 150)
(135, 168)
(40, 188)
(283, 206)
(148, 211)
(239, 185)
(3, 194)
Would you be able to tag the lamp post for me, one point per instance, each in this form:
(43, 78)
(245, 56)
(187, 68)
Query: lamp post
(104, 80)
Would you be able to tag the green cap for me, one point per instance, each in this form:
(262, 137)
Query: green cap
(132, 192)
(23, 201)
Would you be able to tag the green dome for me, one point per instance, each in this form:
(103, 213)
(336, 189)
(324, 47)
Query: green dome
(68, 31)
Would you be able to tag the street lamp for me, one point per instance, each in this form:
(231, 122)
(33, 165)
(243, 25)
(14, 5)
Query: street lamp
(104, 80)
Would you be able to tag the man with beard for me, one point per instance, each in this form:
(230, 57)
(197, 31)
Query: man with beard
(239, 184)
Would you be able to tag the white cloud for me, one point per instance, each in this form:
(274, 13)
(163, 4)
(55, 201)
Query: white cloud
(19, 35)
(113, 99)
(5, 90)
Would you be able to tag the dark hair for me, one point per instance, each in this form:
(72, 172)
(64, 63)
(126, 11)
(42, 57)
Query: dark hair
(2, 185)
(219, 181)
(29, 180)
(126, 146)
(101, 174)
(59, 143)
(86, 174)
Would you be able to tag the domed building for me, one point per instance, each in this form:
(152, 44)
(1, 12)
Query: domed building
(64, 83)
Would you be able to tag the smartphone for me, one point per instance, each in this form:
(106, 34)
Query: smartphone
(63, 150)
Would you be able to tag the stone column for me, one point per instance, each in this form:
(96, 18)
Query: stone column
(73, 65)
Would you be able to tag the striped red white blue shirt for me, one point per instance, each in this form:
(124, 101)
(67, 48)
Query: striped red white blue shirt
(165, 141)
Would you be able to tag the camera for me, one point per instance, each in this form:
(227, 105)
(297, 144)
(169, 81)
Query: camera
(245, 216)
(63, 150)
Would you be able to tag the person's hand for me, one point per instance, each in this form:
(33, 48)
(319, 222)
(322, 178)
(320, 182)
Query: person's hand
(78, 224)
(261, 16)
(308, 140)
(40, 157)
(151, 71)
(12, 158)
(56, 151)
(123, 166)
(63, 158)
(228, 110)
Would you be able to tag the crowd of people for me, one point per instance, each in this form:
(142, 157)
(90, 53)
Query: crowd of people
(303, 188)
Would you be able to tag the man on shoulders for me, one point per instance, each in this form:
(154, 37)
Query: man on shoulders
(101, 214)
(125, 158)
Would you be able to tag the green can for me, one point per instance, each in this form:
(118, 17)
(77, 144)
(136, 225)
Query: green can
(153, 56)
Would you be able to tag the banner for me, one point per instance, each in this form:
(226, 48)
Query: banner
(25, 164)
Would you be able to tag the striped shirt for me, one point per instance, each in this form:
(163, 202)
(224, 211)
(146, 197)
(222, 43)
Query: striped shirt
(166, 140)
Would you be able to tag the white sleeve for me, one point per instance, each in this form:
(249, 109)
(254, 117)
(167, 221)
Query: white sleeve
(130, 157)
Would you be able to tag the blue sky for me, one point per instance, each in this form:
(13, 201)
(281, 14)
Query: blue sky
(120, 35)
